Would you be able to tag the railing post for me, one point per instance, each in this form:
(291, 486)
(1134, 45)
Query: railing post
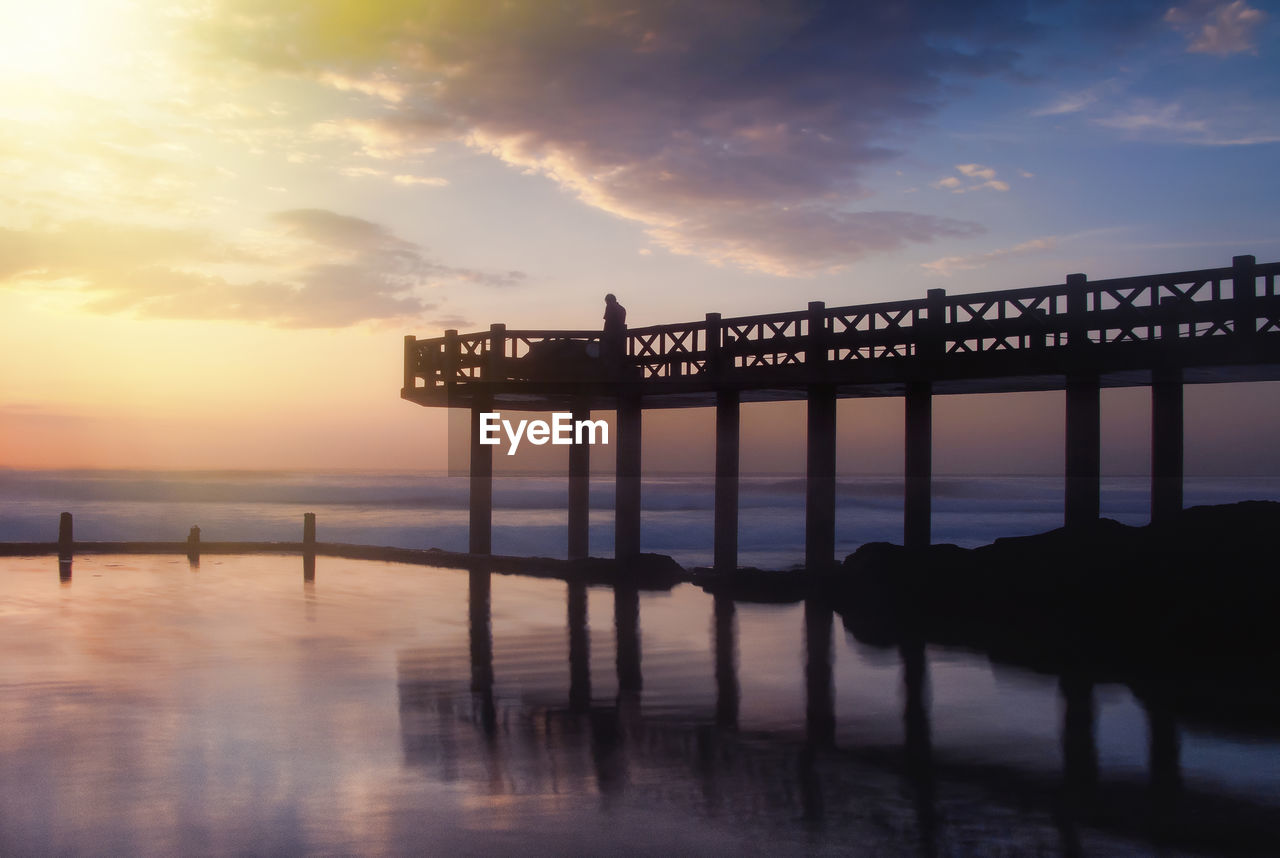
(410, 361)
(1077, 312)
(496, 366)
(1243, 293)
(452, 358)
(816, 353)
(934, 343)
(715, 357)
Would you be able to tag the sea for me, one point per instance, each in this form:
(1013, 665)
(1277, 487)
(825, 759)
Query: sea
(429, 510)
(264, 705)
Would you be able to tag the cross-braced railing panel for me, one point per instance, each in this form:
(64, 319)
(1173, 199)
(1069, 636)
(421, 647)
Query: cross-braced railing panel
(668, 351)
(765, 341)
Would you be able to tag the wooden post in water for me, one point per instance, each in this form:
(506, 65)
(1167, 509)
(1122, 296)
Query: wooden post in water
(626, 506)
(65, 544)
(193, 543)
(579, 490)
(308, 546)
(1166, 422)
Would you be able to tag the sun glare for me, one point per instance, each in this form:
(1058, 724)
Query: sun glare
(63, 42)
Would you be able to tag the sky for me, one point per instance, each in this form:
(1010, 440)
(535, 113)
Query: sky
(218, 218)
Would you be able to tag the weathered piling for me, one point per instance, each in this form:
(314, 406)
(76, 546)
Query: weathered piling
(65, 545)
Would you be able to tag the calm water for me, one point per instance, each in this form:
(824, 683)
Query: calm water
(426, 510)
(147, 706)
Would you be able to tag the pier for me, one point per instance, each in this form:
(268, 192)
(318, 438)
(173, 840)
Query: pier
(1160, 331)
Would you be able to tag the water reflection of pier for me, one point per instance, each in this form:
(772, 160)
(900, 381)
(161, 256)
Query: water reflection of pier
(544, 742)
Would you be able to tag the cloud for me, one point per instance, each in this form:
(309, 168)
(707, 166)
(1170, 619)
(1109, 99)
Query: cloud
(1070, 103)
(1206, 124)
(804, 240)
(324, 270)
(1146, 116)
(984, 178)
(677, 116)
(429, 181)
(948, 265)
(1217, 28)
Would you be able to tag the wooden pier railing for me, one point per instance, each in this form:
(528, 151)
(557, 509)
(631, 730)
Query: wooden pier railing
(1212, 317)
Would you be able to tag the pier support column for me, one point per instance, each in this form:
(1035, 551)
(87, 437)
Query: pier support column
(917, 506)
(626, 515)
(820, 482)
(728, 424)
(481, 501)
(579, 491)
(1166, 444)
(1084, 450)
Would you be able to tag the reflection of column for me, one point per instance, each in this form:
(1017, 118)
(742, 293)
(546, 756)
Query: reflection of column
(919, 742)
(308, 568)
(64, 571)
(1079, 756)
(812, 803)
(820, 716)
(482, 649)
(1164, 767)
(726, 643)
(1079, 750)
(579, 649)
(579, 490)
(626, 624)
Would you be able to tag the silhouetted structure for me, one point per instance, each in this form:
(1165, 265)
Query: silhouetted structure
(1161, 331)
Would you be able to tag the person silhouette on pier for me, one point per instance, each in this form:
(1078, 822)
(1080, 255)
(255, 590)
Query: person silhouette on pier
(613, 341)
